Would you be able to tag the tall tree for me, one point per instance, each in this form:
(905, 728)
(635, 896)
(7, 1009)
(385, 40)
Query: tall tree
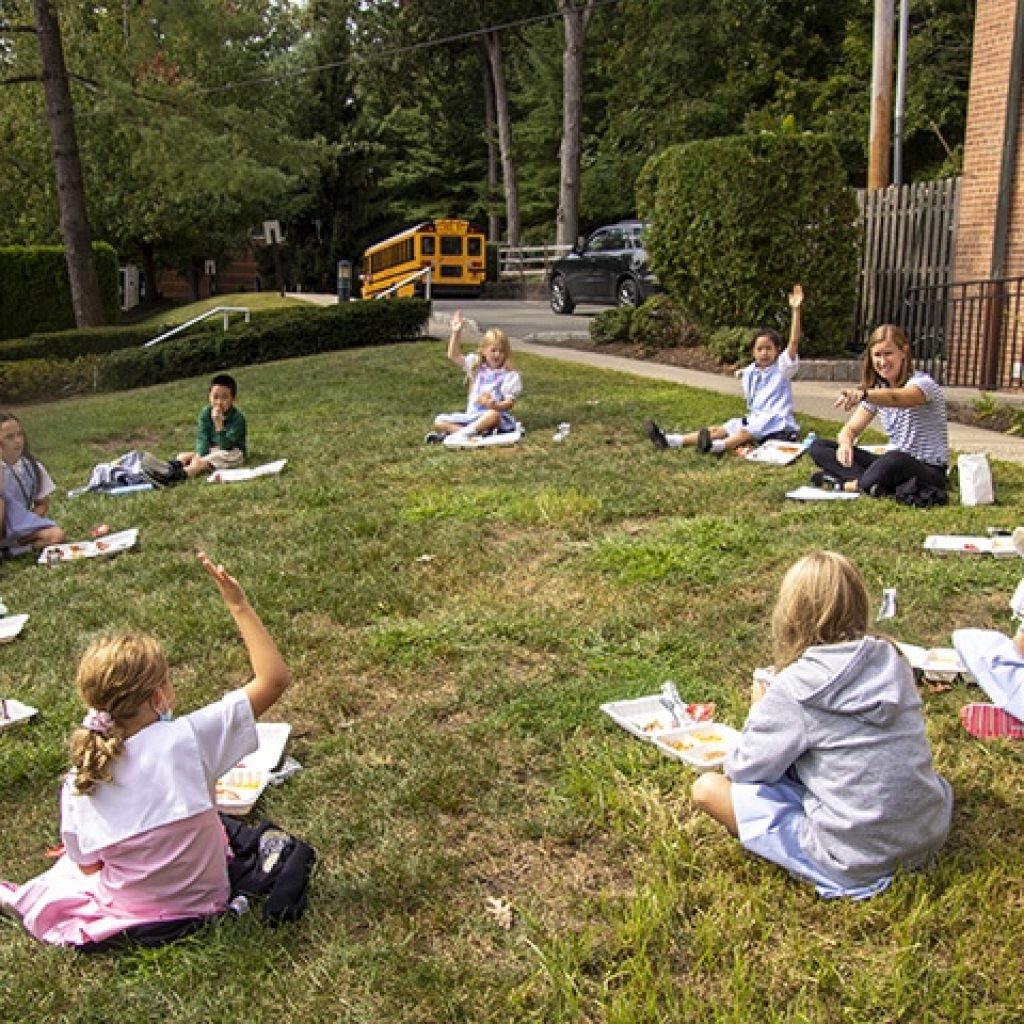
(576, 15)
(67, 167)
(503, 120)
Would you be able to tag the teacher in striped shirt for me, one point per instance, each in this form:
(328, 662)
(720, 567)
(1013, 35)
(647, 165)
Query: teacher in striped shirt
(912, 412)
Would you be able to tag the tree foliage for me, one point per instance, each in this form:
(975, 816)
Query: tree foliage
(349, 119)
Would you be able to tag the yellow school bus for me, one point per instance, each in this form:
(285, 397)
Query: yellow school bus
(455, 250)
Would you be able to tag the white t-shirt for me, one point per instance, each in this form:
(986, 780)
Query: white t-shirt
(154, 825)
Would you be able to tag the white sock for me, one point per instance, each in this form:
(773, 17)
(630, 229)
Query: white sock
(717, 447)
(674, 440)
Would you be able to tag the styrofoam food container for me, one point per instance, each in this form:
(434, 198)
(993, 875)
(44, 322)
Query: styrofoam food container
(702, 746)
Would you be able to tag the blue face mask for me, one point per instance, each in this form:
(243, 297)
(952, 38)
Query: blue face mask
(166, 715)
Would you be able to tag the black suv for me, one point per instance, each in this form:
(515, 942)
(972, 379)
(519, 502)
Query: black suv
(610, 268)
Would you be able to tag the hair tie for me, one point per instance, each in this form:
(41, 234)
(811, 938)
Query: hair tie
(97, 721)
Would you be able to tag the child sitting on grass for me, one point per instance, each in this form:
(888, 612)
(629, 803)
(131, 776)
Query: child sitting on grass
(769, 392)
(996, 661)
(493, 387)
(25, 491)
(220, 439)
(143, 842)
(832, 776)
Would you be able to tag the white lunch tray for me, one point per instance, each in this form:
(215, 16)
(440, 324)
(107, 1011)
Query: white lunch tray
(239, 789)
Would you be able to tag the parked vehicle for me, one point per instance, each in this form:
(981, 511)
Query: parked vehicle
(609, 268)
(456, 250)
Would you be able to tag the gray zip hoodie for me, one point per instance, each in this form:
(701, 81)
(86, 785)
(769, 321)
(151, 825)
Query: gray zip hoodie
(845, 721)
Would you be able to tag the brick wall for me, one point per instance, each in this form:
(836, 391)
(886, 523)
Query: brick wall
(983, 154)
(983, 149)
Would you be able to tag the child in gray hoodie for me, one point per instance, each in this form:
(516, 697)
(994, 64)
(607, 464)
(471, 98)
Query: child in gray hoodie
(832, 776)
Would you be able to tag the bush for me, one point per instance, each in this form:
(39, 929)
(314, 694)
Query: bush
(35, 293)
(611, 325)
(47, 379)
(731, 344)
(285, 335)
(737, 221)
(293, 333)
(661, 323)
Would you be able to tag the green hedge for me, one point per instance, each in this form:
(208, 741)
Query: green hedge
(737, 221)
(298, 332)
(84, 341)
(35, 293)
(97, 340)
(295, 333)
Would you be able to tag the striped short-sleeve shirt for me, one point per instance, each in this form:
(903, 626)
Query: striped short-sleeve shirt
(921, 430)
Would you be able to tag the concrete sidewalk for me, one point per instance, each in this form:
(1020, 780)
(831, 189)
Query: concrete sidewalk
(812, 397)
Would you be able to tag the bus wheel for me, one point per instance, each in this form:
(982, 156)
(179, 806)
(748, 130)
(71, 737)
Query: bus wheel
(561, 300)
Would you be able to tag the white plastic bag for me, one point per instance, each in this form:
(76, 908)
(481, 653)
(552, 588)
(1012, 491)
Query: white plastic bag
(975, 479)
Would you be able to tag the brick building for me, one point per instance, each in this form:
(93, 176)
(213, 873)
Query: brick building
(990, 233)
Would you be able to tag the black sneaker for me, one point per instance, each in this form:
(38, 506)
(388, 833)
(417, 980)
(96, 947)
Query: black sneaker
(156, 471)
(656, 434)
(826, 481)
(434, 437)
(704, 440)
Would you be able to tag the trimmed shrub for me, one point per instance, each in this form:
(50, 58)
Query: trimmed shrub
(35, 293)
(611, 325)
(295, 333)
(47, 379)
(288, 334)
(81, 342)
(661, 322)
(732, 344)
(737, 221)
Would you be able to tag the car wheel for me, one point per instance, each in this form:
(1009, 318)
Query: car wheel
(628, 294)
(561, 300)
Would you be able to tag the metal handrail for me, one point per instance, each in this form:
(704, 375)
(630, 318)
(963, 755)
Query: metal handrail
(425, 272)
(226, 310)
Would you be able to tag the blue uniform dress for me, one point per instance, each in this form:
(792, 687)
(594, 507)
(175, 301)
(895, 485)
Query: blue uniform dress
(25, 483)
(501, 383)
(769, 394)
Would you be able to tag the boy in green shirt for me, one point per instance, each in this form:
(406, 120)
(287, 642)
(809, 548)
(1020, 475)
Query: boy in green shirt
(220, 440)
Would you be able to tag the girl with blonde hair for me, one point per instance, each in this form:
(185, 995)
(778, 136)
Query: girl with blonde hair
(832, 776)
(494, 386)
(143, 843)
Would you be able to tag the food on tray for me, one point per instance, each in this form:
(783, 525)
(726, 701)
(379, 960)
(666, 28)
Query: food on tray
(706, 736)
(701, 712)
(709, 755)
(684, 742)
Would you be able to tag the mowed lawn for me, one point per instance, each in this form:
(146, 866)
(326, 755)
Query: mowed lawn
(491, 847)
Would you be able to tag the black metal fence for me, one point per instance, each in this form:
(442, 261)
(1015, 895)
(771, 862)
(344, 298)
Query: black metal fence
(968, 333)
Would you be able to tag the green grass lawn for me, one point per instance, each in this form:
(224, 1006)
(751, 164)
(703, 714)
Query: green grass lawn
(453, 620)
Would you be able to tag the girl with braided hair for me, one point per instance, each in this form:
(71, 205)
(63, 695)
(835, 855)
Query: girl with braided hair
(142, 839)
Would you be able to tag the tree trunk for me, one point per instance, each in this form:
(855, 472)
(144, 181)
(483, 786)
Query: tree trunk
(508, 170)
(575, 19)
(490, 129)
(74, 222)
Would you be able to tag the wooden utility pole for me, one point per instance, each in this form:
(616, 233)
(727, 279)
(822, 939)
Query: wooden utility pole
(881, 96)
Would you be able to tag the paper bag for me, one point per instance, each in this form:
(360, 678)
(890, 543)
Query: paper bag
(975, 479)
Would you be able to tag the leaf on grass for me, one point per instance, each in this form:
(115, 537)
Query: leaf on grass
(936, 686)
(501, 910)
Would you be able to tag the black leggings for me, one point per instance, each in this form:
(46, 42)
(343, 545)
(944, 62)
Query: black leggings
(884, 472)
